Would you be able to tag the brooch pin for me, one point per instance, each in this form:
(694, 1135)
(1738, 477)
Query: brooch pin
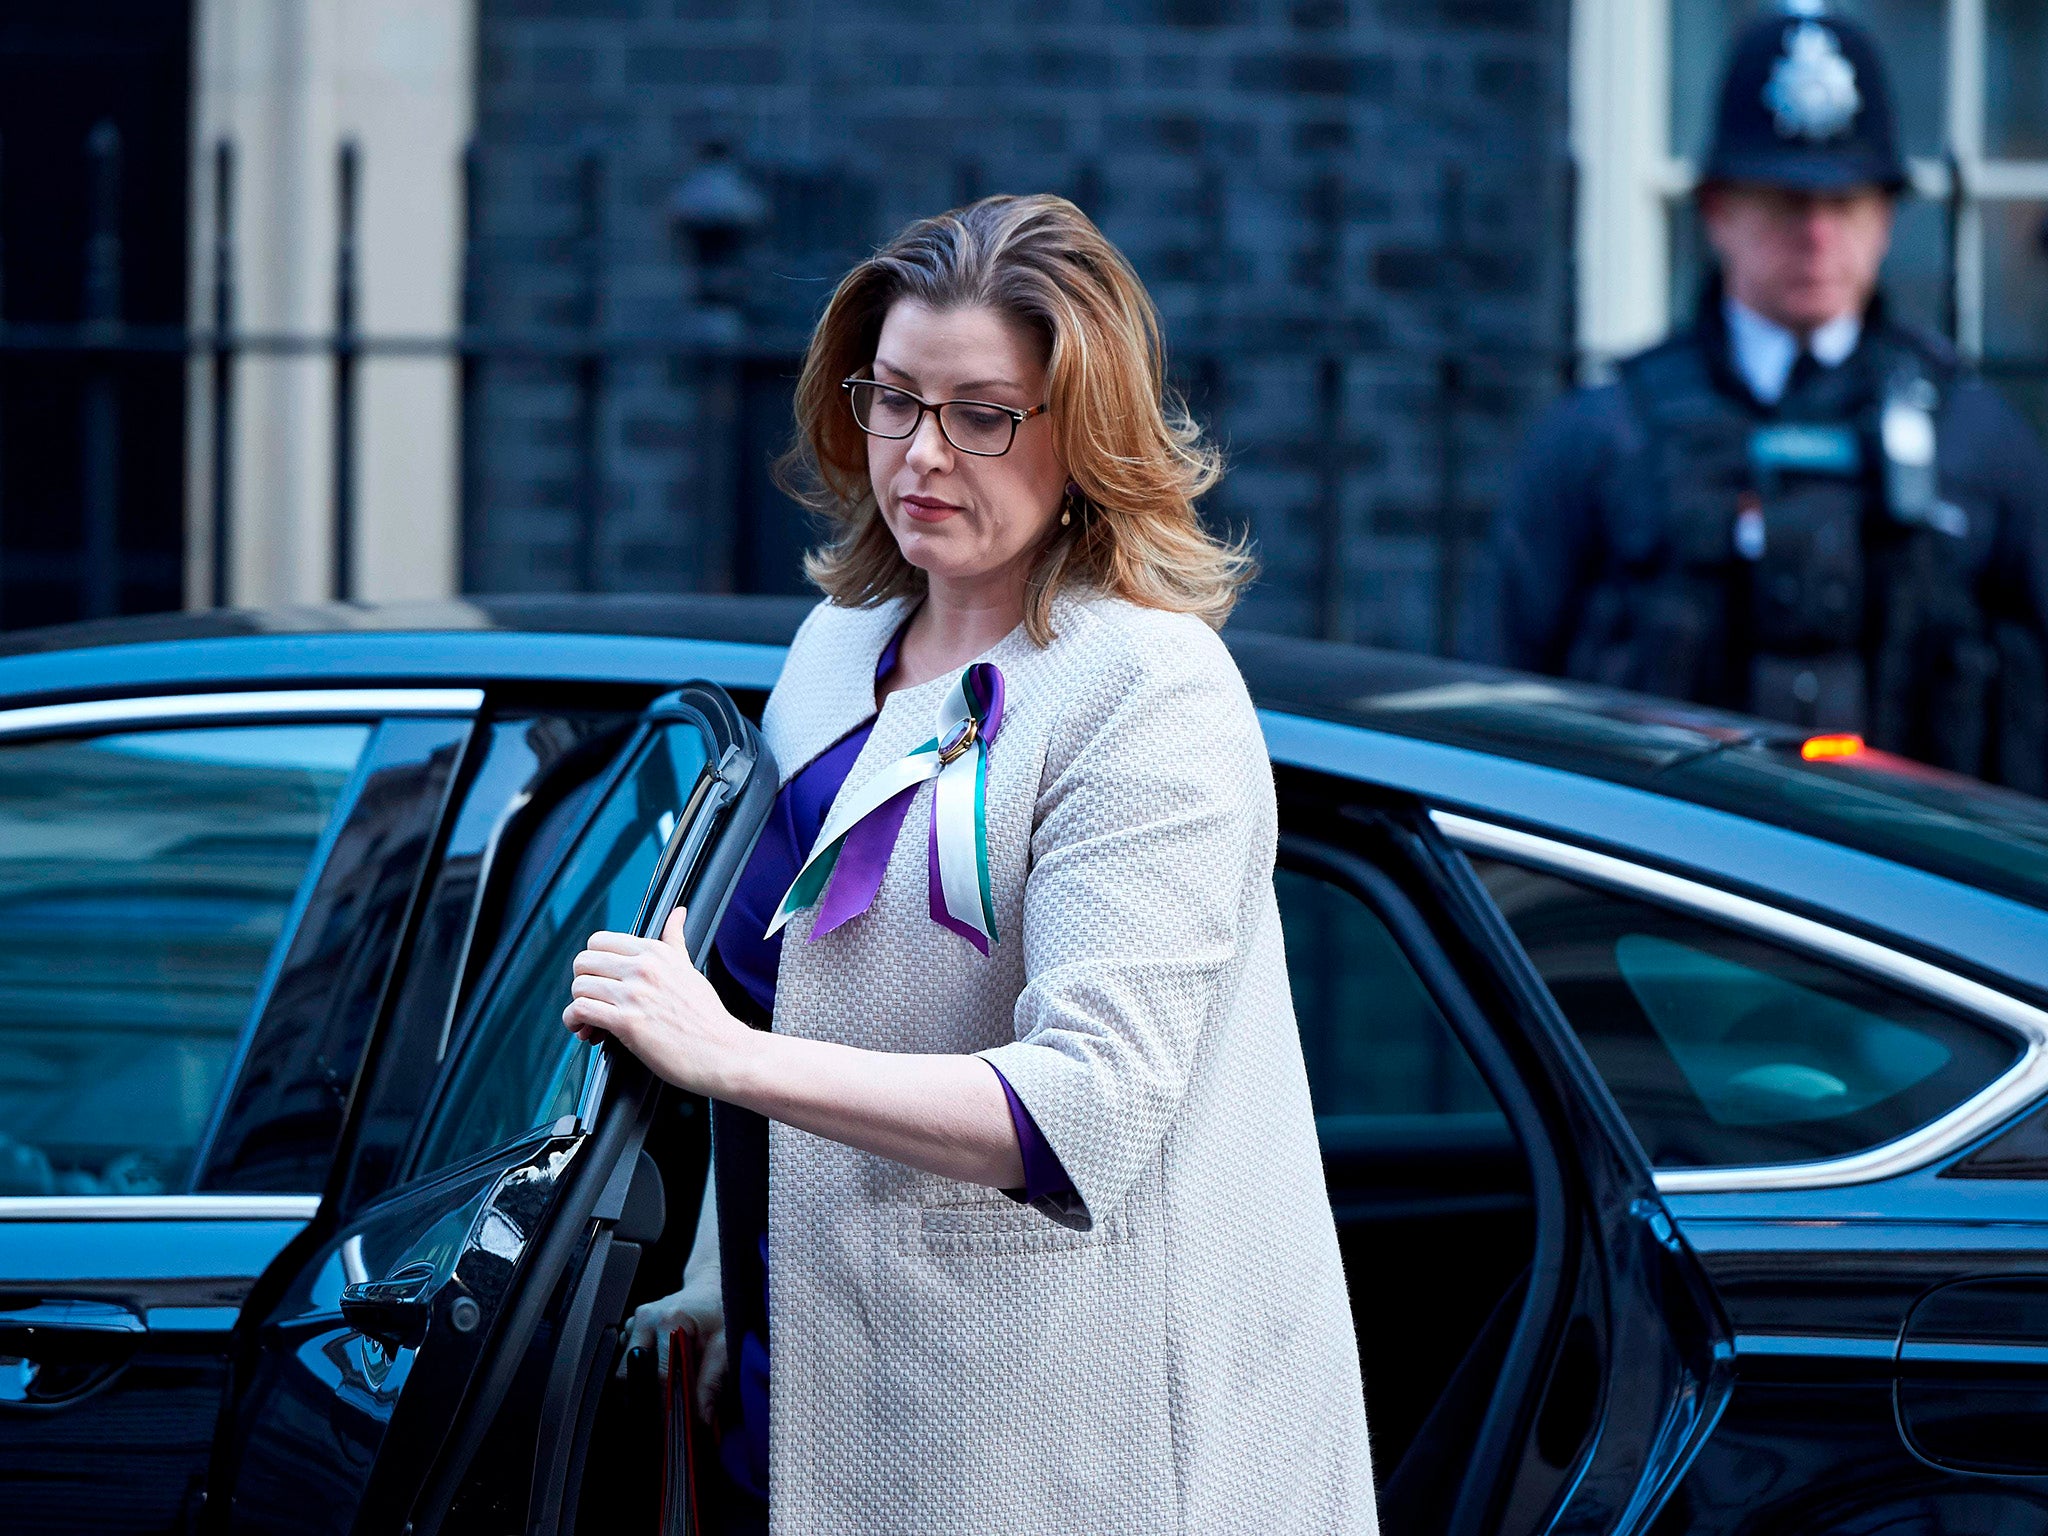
(851, 855)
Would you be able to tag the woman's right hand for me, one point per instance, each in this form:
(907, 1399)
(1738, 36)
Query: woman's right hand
(649, 997)
(699, 1315)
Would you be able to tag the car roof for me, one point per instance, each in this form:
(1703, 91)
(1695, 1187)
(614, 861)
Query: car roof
(1986, 837)
(696, 616)
(1559, 724)
(1539, 719)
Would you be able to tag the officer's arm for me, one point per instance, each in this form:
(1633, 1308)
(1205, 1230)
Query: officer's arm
(1544, 539)
(2020, 471)
(1997, 459)
(2028, 500)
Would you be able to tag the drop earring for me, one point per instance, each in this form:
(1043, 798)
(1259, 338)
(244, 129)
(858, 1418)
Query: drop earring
(1067, 509)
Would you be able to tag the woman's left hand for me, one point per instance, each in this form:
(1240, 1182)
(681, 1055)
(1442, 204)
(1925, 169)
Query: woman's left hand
(645, 994)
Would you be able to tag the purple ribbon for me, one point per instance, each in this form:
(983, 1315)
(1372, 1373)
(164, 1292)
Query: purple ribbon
(864, 855)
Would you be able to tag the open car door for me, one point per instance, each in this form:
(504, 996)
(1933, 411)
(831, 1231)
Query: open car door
(1602, 1371)
(478, 1297)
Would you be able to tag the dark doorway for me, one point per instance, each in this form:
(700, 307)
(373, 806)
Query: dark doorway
(95, 106)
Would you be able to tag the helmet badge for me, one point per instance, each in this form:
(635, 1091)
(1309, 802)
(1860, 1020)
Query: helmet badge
(1812, 91)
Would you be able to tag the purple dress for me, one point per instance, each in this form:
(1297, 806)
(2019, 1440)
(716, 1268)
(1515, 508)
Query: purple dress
(749, 962)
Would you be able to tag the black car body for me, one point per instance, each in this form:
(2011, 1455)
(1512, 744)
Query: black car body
(1677, 1079)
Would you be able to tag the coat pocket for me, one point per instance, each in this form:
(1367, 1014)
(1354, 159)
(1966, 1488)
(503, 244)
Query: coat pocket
(958, 1224)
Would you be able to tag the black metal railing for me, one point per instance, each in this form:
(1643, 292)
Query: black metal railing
(717, 339)
(711, 347)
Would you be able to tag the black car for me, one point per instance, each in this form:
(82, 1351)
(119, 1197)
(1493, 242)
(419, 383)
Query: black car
(1677, 1078)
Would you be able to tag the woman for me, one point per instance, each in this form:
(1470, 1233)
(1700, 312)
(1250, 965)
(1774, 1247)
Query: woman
(1028, 1151)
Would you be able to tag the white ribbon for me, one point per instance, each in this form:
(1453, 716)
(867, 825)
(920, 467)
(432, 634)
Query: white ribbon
(957, 757)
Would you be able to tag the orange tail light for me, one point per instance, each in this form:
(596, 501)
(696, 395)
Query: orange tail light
(1819, 749)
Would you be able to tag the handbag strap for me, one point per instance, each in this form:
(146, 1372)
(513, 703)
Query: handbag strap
(679, 1443)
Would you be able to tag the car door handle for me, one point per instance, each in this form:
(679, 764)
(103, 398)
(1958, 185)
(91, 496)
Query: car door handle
(393, 1310)
(67, 1315)
(57, 1349)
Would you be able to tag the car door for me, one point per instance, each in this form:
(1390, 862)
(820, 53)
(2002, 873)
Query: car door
(1602, 1369)
(507, 1242)
(200, 897)
(1831, 1120)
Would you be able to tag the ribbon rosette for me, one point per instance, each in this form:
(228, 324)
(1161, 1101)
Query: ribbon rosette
(852, 852)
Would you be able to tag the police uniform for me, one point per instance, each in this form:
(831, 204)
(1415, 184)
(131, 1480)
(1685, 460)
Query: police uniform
(1849, 535)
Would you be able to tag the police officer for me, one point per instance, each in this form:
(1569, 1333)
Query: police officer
(1799, 507)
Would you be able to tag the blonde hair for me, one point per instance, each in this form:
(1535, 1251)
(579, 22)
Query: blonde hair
(1137, 458)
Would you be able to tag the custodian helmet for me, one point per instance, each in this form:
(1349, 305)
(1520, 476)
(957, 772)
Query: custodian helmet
(1805, 104)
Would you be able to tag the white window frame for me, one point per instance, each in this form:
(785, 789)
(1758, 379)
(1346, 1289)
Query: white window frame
(1628, 176)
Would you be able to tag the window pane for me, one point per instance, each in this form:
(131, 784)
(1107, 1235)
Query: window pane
(1729, 1027)
(1725, 1050)
(1911, 34)
(2015, 278)
(144, 882)
(2016, 79)
(1916, 280)
(519, 1068)
(1375, 1042)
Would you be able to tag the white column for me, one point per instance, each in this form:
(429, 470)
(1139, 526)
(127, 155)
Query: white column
(1620, 137)
(286, 82)
(1966, 140)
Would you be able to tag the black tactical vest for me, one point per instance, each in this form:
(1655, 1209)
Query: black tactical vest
(1800, 565)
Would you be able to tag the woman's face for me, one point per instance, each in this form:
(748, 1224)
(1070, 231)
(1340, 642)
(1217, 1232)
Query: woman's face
(963, 519)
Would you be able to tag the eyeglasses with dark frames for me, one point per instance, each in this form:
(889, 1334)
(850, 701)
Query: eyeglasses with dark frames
(979, 427)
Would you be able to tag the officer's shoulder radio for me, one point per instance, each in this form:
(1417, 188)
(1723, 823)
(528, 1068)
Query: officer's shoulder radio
(1896, 435)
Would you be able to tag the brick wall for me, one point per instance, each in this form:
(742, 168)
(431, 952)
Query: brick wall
(1351, 213)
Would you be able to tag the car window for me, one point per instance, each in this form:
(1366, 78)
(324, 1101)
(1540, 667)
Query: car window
(145, 882)
(1374, 1040)
(517, 1068)
(1726, 1050)
(527, 762)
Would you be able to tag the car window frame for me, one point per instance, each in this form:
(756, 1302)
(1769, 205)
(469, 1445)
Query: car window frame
(703, 857)
(678, 852)
(2021, 1084)
(82, 718)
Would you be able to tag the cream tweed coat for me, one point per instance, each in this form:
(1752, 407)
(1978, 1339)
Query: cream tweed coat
(1174, 1352)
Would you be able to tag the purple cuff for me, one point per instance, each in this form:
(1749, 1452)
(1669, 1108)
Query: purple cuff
(1043, 1174)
